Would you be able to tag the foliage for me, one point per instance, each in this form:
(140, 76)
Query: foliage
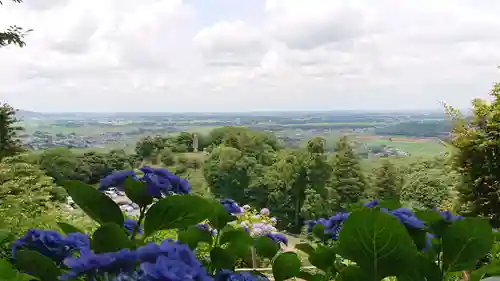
(387, 183)
(9, 130)
(14, 34)
(475, 158)
(428, 189)
(167, 157)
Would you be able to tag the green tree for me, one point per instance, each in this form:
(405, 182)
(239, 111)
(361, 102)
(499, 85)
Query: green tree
(427, 189)
(228, 173)
(386, 182)
(475, 158)
(118, 160)
(14, 34)
(94, 166)
(61, 164)
(167, 157)
(347, 181)
(146, 147)
(9, 141)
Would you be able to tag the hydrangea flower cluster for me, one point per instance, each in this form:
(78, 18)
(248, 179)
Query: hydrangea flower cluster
(260, 224)
(159, 182)
(331, 225)
(168, 261)
(228, 275)
(51, 244)
(232, 207)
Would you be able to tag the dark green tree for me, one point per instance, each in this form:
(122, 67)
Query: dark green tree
(426, 189)
(386, 182)
(61, 164)
(146, 147)
(476, 157)
(167, 157)
(9, 130)
(14, 34)
(228, 173)
(347, 181)
(118, 160)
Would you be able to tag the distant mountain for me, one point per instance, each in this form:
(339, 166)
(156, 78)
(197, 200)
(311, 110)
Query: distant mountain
(26, 114)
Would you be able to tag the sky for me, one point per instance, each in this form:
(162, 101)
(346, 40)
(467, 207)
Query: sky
(249, 55)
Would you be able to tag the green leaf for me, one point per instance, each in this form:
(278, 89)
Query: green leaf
(194, 235)
(286, 266)
(7, 271)
(465, 242)
(218, 216)
(177, 211)
(419, 237)
(311, 277)
(423, 269)
(137, 192)
(490, 269)
(266, 247)
(354, 273)
(305, 247)
(110, 238)
(37, 265)
(68, 228)
(95, 204)
(222, 259)
(5, 236)
(323, 258)
(428, 216)
(377, 242)
(390, 204)
(318, 231)
(233, 234)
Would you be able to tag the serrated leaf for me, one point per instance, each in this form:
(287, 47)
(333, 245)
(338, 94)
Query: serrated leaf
(465, 242)
(177, 211)
(37, 265)
(286, 266)
(266, 247)
(68, 228)
(323, 258)
(110, 238)
(95, 204)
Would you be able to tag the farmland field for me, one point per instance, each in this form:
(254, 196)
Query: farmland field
(414, 146)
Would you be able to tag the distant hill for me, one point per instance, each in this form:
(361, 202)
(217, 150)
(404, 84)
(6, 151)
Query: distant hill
(25, 114)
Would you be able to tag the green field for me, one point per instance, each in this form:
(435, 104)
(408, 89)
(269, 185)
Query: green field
(417, 148)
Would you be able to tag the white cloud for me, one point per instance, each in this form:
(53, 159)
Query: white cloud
(162, 55)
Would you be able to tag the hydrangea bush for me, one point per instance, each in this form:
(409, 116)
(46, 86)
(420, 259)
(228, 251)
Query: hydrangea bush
(369, 243)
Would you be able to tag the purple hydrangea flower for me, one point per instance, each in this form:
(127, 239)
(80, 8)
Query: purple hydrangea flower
(228, 275)
(130, 224)
(449, 217)
(428, 244)
(372, 204)
(157, 262)
(231, 206)
(159, 182)
(278, 238)
(406, 217)
(265, 212)
(51, 244)
(331, 225)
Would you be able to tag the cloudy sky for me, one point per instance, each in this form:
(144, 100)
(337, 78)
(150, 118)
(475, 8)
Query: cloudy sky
(243, 55)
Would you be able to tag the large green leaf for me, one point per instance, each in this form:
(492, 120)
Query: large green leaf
(492, 269)
(94, 203)
(377, 242)
(222, 259)
(37, 265)
(7, 271)
(323, 258)
(110, 238)
(218, 215)
(305, 247)
(266, 247)
(177, 211)
(194, 235)
(137, 192)
(286, 266)
(229, 234)
(68, 228)
(354, 273)
(465, 242)
(423, 269)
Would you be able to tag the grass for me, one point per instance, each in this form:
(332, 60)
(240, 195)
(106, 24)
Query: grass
(415, 147)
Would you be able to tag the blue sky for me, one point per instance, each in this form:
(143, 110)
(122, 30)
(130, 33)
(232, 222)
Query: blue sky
(247, 55)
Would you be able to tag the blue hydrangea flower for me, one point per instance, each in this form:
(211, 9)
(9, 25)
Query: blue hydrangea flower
(116, 179)
(51, 244)
(449, 217)
(231, 206)
(406, 217)
(130, 224)
(428, 244)
(172, 268)
(228, 275)
(207, 227)
(332, 225)
(278, 238)
(159, 182)
(372, 204)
